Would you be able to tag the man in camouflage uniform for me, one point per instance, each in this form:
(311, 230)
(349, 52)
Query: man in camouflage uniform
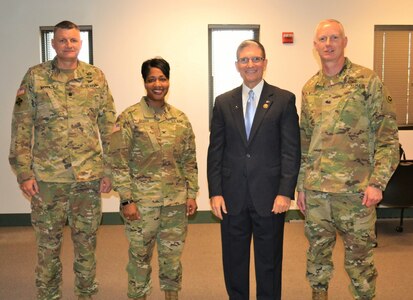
(349, 143)
(155, 172)
(63, 113)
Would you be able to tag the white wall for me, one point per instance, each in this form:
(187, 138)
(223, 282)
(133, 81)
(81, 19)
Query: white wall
(127, 32)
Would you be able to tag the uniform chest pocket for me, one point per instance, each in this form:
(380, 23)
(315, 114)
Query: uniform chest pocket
(86, 98)
(47, 106)
(353, 114)
(177, 134)
(146, 137)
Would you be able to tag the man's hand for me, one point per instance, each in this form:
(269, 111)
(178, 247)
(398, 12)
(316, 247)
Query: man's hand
(218, 206)
(191, 207)
(372, 196)
(301, 202)
(281, 204)
(105, 185)
(131, 212)
(30, 187)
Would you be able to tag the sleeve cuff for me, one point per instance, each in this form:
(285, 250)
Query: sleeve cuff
(22, 177)
(192, 195)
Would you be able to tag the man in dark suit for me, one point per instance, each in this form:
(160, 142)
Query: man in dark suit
(253, 163)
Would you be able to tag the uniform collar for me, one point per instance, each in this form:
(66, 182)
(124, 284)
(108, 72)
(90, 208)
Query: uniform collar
(149, 112)
(341, 77)
(80, 73)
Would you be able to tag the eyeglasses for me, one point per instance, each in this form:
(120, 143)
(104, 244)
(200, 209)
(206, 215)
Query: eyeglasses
(254, 60)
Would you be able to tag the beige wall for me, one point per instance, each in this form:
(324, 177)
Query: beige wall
(127, 32)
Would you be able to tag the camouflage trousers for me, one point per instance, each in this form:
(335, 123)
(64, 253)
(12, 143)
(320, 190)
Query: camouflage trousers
(327, 214)
(80, 204)
(167, 225)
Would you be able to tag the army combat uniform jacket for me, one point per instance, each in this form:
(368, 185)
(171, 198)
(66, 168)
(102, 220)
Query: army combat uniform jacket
(60, 120)
(154, 157)
(349, 136)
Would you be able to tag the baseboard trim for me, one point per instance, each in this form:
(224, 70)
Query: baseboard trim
(201, 217)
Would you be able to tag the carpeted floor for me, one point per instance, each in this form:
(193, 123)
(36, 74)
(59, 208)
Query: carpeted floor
(202, 277)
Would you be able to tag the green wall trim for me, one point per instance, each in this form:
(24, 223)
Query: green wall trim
(15, 220)
(201, 217)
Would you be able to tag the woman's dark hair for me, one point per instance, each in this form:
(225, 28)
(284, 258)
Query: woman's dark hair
(157, 62)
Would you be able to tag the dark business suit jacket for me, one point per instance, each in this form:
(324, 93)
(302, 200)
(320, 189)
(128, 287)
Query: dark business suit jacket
(267, 164)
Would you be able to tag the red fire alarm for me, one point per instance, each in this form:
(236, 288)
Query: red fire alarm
(288, 37)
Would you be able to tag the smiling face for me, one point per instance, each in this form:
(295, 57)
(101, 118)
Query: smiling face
(67, 44)
(251, 64)
(156, 85)
(330, 42)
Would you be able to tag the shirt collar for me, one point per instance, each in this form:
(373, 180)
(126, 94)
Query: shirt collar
(257, 90)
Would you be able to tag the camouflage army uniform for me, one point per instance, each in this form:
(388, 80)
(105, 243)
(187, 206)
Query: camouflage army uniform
(154, 164)
(349, 141)
(67, 115)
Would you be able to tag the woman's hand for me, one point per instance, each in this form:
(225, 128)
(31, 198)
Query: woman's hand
(191, 207)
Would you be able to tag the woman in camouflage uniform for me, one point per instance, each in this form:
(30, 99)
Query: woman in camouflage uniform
(155, 173)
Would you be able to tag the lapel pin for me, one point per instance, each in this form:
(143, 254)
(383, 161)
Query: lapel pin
(266, 104)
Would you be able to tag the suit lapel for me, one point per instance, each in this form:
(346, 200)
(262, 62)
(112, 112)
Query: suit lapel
(237, 112)
(264, 104)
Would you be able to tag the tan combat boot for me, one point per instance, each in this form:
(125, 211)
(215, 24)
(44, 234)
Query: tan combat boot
(320, 295)
(171, 295)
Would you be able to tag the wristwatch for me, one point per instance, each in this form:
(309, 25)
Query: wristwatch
(124, 203)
